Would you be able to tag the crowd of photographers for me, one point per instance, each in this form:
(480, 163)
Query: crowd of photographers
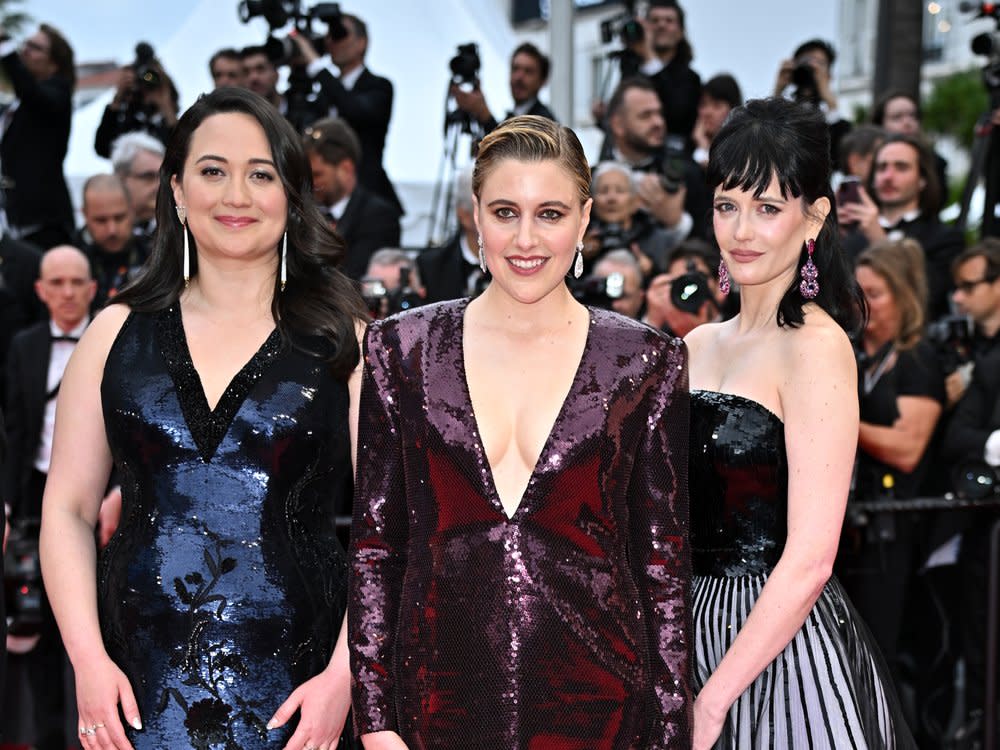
(929, 364)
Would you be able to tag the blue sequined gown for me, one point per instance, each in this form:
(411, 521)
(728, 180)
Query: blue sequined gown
(829, 688)
(224, 586)
(561, 627)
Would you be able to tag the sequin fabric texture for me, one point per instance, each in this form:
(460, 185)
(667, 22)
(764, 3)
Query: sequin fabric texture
(829, 688)
(224, 586)
(564, 626)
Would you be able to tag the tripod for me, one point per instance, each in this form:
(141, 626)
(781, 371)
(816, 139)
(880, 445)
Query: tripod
(985, 166)
(456, 124)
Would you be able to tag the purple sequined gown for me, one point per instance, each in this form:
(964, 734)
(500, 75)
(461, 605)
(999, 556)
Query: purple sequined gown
(829, 688)
(563, 627)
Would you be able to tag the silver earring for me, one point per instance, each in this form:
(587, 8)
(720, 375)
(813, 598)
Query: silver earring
(182, 218)
(578, 263)
(284, 260)
(482, 254)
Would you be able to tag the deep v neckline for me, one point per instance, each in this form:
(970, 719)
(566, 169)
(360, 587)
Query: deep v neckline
(208, 426)
(488, 478)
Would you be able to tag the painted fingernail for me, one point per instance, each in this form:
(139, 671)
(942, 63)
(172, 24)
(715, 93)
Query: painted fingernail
(136, 723)
(271, 725)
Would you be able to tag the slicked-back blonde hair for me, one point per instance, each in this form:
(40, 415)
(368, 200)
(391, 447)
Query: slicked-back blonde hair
(532, 138)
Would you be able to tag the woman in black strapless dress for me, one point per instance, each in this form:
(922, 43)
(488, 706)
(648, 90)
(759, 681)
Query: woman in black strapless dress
(221, 394)
(781, 658)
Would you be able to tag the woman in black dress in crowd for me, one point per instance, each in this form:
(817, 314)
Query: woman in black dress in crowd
(218, 386)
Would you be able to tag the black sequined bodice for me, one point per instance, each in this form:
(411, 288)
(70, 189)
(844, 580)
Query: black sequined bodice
(224, 586)
(738, 485)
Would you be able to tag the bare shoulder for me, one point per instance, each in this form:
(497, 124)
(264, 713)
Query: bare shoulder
(819, 343)
(100, 335)
(819, 371)
(702, 337)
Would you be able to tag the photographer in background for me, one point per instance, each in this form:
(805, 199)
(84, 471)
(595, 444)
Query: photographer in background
(529, 71)
(616, 222)
(136, 159)
(365, 221)
(34, 129)
(663, 54)
(622, 283)
(145, 100)
(226, 67)
(719, 96)
(685, 296)
(976, 275)
(391, 284)
(671, 187)
(356, 95)
(452, 271)
(806, 78)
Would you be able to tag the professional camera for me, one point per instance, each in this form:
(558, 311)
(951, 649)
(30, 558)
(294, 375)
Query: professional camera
(147, 71)
(279, 13)
(383, 302)
(465, 65)
(625, 26)
(22, 582)
(598, 291)
(988, 45)
(614, 236)
(952, 337)
(690, 290)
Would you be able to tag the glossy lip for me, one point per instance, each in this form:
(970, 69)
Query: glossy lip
(236, 222)
(744, 256)
(525, 271)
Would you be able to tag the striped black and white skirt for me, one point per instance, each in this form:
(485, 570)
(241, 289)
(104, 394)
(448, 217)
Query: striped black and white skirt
(829, 688)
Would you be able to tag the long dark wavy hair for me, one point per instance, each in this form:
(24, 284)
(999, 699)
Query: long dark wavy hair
(318, 299)
(777, 138)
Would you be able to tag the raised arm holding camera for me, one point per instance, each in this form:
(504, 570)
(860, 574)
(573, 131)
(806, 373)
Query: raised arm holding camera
(145, 100)
(529, 71)
(353, 93)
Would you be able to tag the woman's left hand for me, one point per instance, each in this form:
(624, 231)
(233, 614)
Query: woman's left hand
(707, 724)
(323, 703)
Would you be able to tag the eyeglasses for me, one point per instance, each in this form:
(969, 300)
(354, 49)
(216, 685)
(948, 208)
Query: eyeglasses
(151, 176)
(967, 287)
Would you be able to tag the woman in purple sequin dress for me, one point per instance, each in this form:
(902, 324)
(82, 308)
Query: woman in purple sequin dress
(520, 569)
(781, 658)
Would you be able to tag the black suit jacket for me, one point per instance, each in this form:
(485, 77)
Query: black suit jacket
(977, 414)
(369, 223)
(537, 108)
(19, 305)
(367, 108)
(443, 271)
(33, 148)
(27, 380)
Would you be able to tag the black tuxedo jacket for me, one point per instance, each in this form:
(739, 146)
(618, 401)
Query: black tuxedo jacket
(977, 414)
(33, 148)
(27, 378)
(537, 108)
(369, 223)
(367, 108)
(443, 271)
(19, 305)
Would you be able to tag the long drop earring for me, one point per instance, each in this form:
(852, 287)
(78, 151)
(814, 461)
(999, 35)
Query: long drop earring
(724, 284)
(284, 260)
(809, 286)
(578, 263)
(182, 217)
(482, 253)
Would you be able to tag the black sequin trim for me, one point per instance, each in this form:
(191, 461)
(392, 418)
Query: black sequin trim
(207, 426)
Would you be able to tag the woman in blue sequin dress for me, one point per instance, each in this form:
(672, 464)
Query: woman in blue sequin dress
(221, 394)
(781, 658)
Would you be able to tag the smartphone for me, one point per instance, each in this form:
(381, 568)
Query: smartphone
(849, 191)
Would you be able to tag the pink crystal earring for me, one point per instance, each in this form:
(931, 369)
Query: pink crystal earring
(809, 286)
(723, 277)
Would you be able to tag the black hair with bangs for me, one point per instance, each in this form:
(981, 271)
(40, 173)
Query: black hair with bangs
(777, 138)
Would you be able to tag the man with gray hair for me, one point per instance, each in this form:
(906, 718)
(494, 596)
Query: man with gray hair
(136, 158)
(452, 270)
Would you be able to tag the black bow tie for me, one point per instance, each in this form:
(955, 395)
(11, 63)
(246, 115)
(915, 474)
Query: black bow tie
(74, 339)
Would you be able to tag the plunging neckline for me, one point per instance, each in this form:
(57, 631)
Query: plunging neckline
(480, 445)
(207, 425)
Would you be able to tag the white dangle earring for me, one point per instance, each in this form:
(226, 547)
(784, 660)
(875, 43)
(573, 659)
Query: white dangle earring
(578, 263)
(284, 260)
(482, 253)
(182, 218)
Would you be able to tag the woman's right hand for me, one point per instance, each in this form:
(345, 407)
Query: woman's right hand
(383, 741)
(708, 723)
(100, 687)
